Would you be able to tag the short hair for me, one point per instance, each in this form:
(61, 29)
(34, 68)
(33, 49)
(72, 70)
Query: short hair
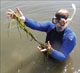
(62, 13)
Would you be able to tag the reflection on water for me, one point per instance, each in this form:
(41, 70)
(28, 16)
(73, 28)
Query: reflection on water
(19, 55)
(48, 66)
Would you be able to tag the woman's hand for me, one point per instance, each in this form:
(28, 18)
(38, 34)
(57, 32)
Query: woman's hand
(49, 49)
(9, 14)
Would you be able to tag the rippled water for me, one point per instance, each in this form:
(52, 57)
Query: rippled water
(19, 55)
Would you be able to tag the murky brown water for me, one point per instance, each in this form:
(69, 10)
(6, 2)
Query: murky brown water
(19, 55)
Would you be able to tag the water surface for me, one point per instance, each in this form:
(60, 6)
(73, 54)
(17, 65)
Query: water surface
(20, 55)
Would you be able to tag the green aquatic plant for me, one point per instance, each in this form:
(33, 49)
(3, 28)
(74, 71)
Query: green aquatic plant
(21, 25)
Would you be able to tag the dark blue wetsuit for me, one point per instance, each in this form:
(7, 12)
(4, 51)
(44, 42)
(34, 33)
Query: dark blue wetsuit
(67, 38)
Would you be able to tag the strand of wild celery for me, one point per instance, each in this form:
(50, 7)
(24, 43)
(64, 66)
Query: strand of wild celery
(24, 27)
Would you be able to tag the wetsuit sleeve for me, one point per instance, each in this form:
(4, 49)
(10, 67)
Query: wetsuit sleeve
(67, 46)
(41, 26)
